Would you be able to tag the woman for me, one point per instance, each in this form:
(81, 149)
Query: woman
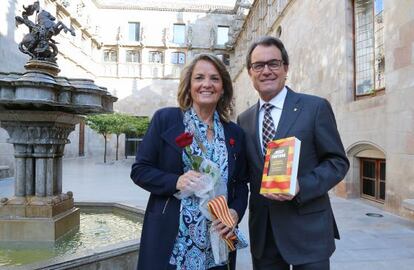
(175, 233)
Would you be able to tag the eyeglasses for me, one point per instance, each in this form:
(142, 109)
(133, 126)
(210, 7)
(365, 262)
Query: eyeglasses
(273, 65)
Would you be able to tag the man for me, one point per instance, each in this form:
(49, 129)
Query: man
(290, 230)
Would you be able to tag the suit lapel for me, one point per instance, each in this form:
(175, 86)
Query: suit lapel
(290, 112)
(252, 132)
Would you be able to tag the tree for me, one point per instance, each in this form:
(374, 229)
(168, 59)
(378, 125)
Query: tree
(117, 124)
(137, 125)
(102, 124)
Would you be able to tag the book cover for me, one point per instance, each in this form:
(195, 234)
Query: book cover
(281, 166)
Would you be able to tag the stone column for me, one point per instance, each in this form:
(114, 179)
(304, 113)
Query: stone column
(30, 178)
(39, 147)
(20, 171)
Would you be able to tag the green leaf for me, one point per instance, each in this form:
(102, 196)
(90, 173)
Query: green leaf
(196, 162)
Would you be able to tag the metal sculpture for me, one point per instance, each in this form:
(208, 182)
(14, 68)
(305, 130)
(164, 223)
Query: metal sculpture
(38, 43)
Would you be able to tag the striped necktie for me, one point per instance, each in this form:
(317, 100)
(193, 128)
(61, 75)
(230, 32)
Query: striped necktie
(268, 127)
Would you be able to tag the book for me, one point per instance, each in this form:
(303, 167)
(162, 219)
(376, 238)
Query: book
(281, 166)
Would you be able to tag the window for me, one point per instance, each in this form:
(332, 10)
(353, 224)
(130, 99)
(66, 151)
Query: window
(369, 46)
(156, 57)
(225, 58)
(177, 58)
(133, 31)
(373, 179)
(179, 33)
(110, 56)
(132, 56)
(222, 35)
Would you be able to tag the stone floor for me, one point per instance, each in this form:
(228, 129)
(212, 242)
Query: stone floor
(367, 243)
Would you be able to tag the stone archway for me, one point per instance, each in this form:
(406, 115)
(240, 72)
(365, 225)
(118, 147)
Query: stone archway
(362, 149)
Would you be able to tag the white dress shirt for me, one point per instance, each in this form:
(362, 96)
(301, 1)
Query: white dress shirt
(276, 112)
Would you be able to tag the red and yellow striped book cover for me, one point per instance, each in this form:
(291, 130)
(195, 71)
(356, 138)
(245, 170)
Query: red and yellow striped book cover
(281, 166)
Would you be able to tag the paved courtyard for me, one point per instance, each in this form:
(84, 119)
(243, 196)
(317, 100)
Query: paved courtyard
(368, 243)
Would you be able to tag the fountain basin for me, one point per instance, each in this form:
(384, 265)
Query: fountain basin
(108, 238)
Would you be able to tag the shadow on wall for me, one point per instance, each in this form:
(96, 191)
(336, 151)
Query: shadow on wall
(145, 101)
(10, 18)
(12, 60)
(6, 153)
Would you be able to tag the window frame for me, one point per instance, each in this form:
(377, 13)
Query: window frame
(177, 57)
(138, 56)
(218, 33)
(110, 58)
(224, 57)
(182, 26)
(150, 53)
(374, 66)
(377, 179)
(137, 34)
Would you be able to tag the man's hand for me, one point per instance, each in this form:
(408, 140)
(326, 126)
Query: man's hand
(282, 197)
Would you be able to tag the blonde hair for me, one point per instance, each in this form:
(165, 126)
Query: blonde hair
(225, 103)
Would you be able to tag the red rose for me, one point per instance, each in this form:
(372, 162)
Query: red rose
(232, 142)
(184, 139)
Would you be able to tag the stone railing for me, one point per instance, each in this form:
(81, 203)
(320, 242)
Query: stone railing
(138, 70)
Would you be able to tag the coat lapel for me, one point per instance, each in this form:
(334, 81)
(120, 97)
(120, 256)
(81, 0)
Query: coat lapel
(173, 132)
(290, 112)
(230, 151)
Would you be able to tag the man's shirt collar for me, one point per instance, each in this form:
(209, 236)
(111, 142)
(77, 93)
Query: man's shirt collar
(277, 100)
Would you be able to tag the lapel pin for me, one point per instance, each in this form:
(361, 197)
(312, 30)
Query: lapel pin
(295, 109)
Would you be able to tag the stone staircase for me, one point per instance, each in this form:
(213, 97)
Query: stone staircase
(4, 172)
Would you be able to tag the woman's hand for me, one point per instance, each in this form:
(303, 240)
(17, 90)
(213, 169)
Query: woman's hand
(223, 230)
(188, 181)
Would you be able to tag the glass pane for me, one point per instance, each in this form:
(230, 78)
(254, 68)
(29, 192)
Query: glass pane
(155, 57)
(382, 191)
(174, 58)
(132, 56)
(364, 47)
(181, 58)
(222, 35)
(179, 33)
(368, 187)
(177, 58)
(379, 6)
(133, 31)
(368, 168)
(110, 56)
(382, 171)
(224, 58)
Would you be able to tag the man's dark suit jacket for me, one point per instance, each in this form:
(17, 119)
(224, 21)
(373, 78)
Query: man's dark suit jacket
(157, 168)
(304, 228)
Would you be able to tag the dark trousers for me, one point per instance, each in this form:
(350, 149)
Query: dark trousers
(272, 259)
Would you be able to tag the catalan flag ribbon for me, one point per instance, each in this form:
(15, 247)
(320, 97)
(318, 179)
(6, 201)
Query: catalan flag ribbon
(219, 210)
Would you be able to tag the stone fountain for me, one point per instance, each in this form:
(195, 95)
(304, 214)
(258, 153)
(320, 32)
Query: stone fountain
(39, 109)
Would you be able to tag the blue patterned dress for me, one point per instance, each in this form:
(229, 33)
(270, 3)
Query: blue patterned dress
(192, 248)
